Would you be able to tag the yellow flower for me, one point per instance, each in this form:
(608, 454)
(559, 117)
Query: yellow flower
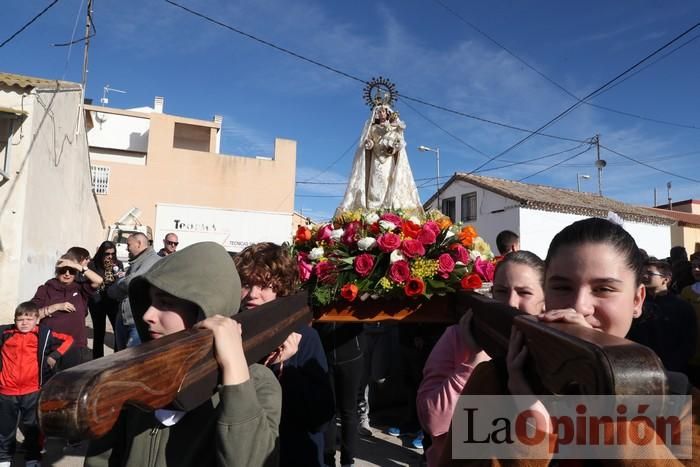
(423, 267)
(482, 247)
(385, 283)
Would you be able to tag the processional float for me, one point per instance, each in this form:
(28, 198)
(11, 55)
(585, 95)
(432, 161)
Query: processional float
(410, 282)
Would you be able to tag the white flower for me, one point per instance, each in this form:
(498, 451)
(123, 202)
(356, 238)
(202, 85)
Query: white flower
(372, 217)
(316, 253)
(366, 243)
(415, 220)
(395, 256)
(336, 234)
(473, 254)
(387, 226)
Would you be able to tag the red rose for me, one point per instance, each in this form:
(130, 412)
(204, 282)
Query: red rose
(391, 217)
(324, 233)
(445, 265)
(374, 229)
(410, 229)
(304, 267)
(485, 269)
(414, 286)
(427, 236)
(433, 227)
(325, 272)
(459, 253)
(399, 271)
(349, 292)
(303, 234)
(351, 233)
(412, 248)
(388, 242)
(363, 264)
(472, 281)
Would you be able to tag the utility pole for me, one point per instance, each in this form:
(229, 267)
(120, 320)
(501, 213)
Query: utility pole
(88, 27)
(655, 197)
(599, 163)
(668, 194)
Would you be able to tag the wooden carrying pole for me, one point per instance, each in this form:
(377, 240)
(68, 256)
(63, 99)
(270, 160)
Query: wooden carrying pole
(180, 371)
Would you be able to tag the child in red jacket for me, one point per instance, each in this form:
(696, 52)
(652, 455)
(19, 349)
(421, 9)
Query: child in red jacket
(28, 354)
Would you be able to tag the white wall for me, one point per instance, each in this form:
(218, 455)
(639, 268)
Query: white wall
(537, 228)
(495, 213)
(120, 132)
(48, 205)
(234, 229)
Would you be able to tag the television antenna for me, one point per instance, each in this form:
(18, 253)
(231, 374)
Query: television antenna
(105, 91)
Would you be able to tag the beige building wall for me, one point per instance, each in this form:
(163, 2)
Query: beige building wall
(47, 205)
(182, 166)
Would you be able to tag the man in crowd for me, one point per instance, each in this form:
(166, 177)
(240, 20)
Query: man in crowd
(667, 324)
(141, 259)
(170, 244)
(507, 242)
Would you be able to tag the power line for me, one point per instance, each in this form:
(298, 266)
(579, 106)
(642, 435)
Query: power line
(29, 23)
(529, 161)
(589, 96)
(352, 145)
(452, 135)
(486, 120)
(559, 86)
(556, 164)
(650, 166)
(355, 78)
(653, 62)
(267, 43)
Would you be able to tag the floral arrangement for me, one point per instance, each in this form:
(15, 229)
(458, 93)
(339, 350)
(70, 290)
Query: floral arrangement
(389, 254)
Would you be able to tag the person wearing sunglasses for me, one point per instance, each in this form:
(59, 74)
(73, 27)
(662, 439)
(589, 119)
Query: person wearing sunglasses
(102, 307)
(170, 243)
(62, 303)
(667, 323)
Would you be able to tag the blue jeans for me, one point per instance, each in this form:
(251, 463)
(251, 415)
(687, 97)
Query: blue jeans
(125, 335)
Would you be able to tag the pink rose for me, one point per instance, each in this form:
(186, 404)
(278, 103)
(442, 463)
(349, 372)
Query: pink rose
(351, 234)
(412, 248)
(388, 242)
(325, 272)
(364, 264)
(460, 254)
(304, 267)
(485, 269)
(433, 227)
(445, 265)
(427, 236)
(391, 217)
(399, 272)
(324, 233)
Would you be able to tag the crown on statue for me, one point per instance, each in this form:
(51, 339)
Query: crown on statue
(380, 91)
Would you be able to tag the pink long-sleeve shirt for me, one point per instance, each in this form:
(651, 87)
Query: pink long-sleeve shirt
(444, 376)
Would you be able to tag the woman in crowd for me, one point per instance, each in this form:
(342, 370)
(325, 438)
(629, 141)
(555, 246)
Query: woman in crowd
(62, 303)
(102, 307)
(267, 271)
(519, 282)
(593, 278)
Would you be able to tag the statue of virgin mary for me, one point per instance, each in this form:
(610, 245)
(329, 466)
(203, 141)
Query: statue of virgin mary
(381, 177)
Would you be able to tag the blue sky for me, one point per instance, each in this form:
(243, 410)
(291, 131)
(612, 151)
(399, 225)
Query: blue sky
(151, 48)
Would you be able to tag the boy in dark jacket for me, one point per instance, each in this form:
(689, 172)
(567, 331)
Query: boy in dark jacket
(29, 353)
(197, 286)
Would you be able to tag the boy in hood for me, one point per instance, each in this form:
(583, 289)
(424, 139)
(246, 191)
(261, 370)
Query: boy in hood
(197, 286)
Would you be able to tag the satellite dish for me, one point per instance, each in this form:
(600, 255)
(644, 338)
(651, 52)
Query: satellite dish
(600, 163)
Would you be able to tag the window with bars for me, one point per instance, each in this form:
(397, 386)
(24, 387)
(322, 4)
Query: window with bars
(448, 208)
(100, 179)
(468, 212)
